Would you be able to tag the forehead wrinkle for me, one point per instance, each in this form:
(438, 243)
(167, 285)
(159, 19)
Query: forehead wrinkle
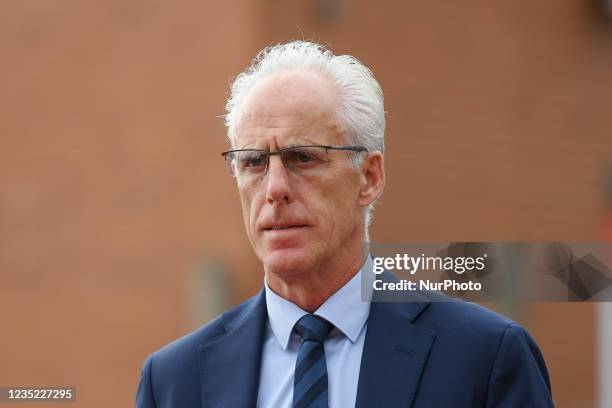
(272, 118)
(287, 126)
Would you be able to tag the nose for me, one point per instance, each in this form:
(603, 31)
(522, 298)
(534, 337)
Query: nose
(278, 183)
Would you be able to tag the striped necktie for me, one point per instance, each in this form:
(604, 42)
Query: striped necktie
(310, 379)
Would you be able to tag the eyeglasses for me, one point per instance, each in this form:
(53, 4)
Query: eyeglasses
(254, 162)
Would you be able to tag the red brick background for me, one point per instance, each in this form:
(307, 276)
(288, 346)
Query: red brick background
(120, 231)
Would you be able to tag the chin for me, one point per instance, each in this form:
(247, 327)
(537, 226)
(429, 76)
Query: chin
(287, 262)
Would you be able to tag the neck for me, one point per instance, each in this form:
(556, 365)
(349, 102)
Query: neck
(311, 289)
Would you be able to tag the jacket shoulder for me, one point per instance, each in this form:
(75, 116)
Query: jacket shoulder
(171, 375)
(469, 327)
(503, 361)
(180, 352)
(454, 313)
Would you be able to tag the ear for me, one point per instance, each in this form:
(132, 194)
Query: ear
(372, 181)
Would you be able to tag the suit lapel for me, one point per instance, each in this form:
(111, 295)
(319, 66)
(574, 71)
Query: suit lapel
(394, 355)
(229, 365)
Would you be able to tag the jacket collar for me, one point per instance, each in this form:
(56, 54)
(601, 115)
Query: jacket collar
(230, 364)
(395, 352)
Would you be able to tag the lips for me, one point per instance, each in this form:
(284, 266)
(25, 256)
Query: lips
(282, 226)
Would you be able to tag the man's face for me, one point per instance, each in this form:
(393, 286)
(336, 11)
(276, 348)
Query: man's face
(298, 221)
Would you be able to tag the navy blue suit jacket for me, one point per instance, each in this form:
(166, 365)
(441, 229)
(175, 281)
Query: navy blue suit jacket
(416, 354)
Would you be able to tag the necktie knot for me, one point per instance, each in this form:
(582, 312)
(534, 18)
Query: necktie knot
(311, 327)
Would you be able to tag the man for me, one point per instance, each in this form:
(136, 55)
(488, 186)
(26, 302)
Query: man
(306, 129)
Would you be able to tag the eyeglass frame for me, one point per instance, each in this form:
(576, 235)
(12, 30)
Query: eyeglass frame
(353, 148)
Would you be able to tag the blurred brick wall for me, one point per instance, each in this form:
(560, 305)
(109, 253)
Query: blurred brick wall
(112, 192)
(113, 195)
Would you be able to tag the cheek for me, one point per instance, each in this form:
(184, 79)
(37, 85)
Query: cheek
(340, 201)
(248, 209)
(343, 190)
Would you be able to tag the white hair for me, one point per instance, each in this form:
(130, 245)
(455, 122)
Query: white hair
(361, 98)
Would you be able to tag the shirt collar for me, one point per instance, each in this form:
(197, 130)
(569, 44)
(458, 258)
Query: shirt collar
(344, 309)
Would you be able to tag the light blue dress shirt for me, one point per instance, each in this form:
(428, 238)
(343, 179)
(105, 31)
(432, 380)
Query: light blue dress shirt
(343, 347)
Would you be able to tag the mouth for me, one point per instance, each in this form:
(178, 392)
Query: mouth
(284, 227)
